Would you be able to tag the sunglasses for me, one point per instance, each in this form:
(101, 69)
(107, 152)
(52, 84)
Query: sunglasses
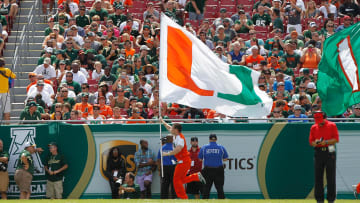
(330, 26)
(83, 87)
(301, 87)
(194, 140)
(69, 76)
(57, 106)
(64, 91)
(82, 9)
(276, 111)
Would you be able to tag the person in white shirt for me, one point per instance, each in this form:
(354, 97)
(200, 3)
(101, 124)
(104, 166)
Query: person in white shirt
(96, 118)
(47, 70)
(327, 8)
(98, 72)
(73, 6)
(47, 87)
(40, 90)
(78, 76)
(73, 33)
(145, 85)
(134, 25)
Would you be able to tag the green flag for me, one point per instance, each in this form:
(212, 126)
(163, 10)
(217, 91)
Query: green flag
(338, 77)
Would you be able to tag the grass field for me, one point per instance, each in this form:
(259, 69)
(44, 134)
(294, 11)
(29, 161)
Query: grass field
(157, 200)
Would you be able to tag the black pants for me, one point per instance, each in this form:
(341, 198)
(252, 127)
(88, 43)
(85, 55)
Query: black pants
(114, 190)
(324, 160)
(216, 176)
(167, 183)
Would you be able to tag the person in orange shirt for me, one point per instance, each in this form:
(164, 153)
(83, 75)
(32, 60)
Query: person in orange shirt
(105, 110)
(84, 106)
(129, 51)
(310, 57)
(273, 63)
(116, 116)
(209, 113)
(135, 115)
(255, 58)
(183, 161)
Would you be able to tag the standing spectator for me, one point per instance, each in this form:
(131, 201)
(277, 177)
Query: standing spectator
(25, 170)
(130, 190)
(169, 164)
(311, 10)
(323, 137)
(55, 165)
(291, 57)
(184, 162)
(4, 176)
(194, 188)
(297, 114)
(144, 160)
(5, 75)
(47, 70)
(327, 8)
(349, 8)
(213, 156)
(151, 12)
(196, 9)
(82, 19)
(115, 171)
(277, 22)
(293, 10)
(97, 10)
(261, 18)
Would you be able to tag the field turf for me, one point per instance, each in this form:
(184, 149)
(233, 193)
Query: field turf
(174, 201)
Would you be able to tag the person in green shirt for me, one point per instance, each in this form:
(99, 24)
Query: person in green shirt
(130, 190)
(292, 58)
(72, 49)
(141, 98)
(48, 54)
(118, 65)
(118, 17)
(356, 113)
(71, 84)
(31, 113)
(264, 3)
(55, 165)
(97, 10)
(277, 22)
(195, 9)
(261, 18)
(243, 25)
(284, 69)
(4, 176)
(25, 169)
(108, 77)
(82, 20)
(294, 38)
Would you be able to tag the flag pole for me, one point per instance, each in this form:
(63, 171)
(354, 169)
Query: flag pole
(161, 156)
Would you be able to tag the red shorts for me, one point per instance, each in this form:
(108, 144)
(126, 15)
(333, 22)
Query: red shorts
(45, 1)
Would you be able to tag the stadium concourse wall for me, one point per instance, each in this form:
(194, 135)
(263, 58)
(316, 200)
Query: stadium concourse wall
(265, 160)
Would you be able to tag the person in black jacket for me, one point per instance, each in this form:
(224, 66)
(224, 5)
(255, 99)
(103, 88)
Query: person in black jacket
(115, 171)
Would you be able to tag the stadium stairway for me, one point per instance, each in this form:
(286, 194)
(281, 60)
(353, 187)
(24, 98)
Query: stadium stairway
(32, 53)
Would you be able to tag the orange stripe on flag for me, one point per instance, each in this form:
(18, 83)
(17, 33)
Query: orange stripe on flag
(179, 62)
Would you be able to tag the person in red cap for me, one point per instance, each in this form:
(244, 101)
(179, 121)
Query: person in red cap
(183, 161)
(323, 137)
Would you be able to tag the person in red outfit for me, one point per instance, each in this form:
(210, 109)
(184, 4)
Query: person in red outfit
(194, 188)
(323, 137)
(183, 160)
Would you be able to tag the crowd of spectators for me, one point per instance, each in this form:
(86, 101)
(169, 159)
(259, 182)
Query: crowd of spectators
(101, 59)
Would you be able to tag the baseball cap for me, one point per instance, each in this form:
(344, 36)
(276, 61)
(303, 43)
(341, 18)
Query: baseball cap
(127, 27)
(60, 7)
(32, 74)
(315, 72)
(254, 47)
(49, 50)
(56, 27)
(297, 107)
(291, 103)
(40, 83)
(220, 27)
(347, 18)
(62, 62)
(98, 1)
(294, 33)
(52, 144)
(84, 94)
(144, 47)
(31, 104)
(47, 60)
(312, 24)
(30, 144)
(282, 60)
(146, 26)
(102, 97)
(212, 137)
(311, 85)
(223, 10)
(103, 83)
(218, 46)
(91, 34)
(357, 106)
(263, 62)
(73, 26)
(280, 84)
(121, 57)
(194, 139)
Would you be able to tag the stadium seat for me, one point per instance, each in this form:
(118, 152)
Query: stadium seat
(245, 2)
(228, 2)
(261, 29)
(89, 4)
(244, 36)
(92, 82)
(248, 8)
(261, 35)
(211, 8)
(210, 14)
(229, 9)
(212, 2)
(93, 88)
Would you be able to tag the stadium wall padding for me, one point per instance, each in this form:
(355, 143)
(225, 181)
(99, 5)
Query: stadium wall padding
(265, 160)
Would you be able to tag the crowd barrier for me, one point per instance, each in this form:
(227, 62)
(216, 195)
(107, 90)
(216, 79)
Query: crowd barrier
(265, 160)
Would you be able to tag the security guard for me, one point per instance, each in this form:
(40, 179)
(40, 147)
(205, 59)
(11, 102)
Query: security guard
(323, 137)
(213, 156)
(169, 164)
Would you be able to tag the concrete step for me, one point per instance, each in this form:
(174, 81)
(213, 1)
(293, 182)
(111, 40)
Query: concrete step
(26, 11)
(22, 69)
(18, 105)
(22, 82)
(26, 19)
(18, 98)
(26, 4)
(12, 45)
(28, 60)
(19, 90)
(16, 113)
(37, 26)
(35, 39)
(30, 53)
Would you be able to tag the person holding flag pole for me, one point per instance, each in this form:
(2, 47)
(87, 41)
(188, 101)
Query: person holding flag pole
(183, 160)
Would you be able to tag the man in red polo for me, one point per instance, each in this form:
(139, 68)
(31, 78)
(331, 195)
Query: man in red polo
(194, 188)
(323, 137)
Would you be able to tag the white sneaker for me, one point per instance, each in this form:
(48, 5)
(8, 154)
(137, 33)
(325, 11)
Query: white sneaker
(201, 178)
(355, 192)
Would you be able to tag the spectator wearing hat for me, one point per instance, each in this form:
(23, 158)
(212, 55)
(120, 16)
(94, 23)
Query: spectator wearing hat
(118, 65)
(118, 16)
(48, 54)
(261, 18)
(348, 8)
(264, 3)
(84, 106)
(82, 20)
(327, 8)
(308, 33)
(96, 118)
(294, 38)
(71, 34)
(229, 30)
(273, 63)
(356, 113)
(85, 89)
(196, 9)
(297, 114)
(253, 40)
(46, 69)
(194, 188)
(32, 79)
(144, 56)
(311, 89)
(301, 91)
(168, 164)
(40, 90)
(51, 23)
(346, 23)
(98, 10)
(311, 57)
(213, 156)
(284, 69)
(280, 91)
(304, 74)
(243, 25)
(144, 36)
(190, 28)
(25, 169)
(291, 57)
(288, 84)
(48, 87)
(104, 91)
(55, 165)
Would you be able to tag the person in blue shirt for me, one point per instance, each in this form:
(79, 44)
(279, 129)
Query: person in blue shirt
(213, 156)
(297, 114)
(169, 163)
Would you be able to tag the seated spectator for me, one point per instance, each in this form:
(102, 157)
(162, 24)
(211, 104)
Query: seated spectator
(261, 18)
(273, 63)
(356, 113)
(311, 89)
(58, 116)
(105, 110)
(287, 84)
(47, 85)
(347, 22)
(98, 10)
(77, 30)
(108, 78)
(219, 51)
(239, 9)
(143, 55)
(255, 58)
(71, 84)
(57, 108)
(82, 20)
(264, 3)
(305, 104)
(85, 89)
(118, 66)
(118, 16)
(63, 97)
(51, 23)
(294, 38)
(190, 28)
(131, 26)
(229, 31)
(311, 29)
(276, 114)
(222, 16)
(281, 93)
(349, 8)
(209, 43)
(284, 69)
(10, 7)
(291, 57)
(141, 97)
(116, 116)
(311, 10)
(143, 112)
(84, 106)
(207, 29)
(301, 91)
(104, 91)
(130, 190)
(277, 22)
(48, 54)
(129, 50)
(40, 90)
(73, 36)
(326, 8)
(98, 72)
(47, 70)
(304, 73)
(282, 105)
(297, 114)
(311, 57)
(96, 118)
(235, 54)
(135, 115)
(30, 113)
(77, 76)
(243, 25)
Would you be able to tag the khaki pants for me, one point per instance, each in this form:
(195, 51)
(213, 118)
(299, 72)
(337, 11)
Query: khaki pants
(23, 179)
(54, 189)
(4, 181)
